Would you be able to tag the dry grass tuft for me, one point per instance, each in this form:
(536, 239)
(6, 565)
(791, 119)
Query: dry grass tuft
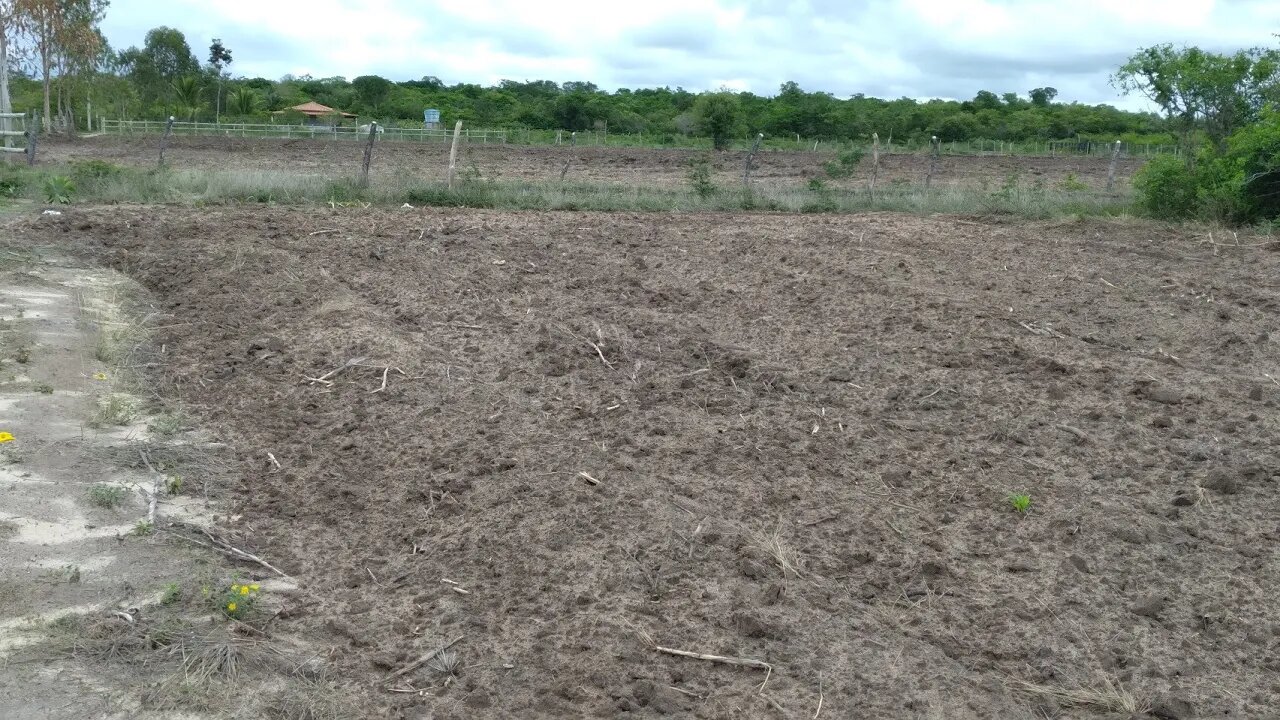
(787, 559)
(1108, 696)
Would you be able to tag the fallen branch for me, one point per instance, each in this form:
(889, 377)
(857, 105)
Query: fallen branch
(424, 659)
(326, 231)
(588, 478)
(226, 548)
(334, 373)
(722, 659)
(601, 354)
(1081, 435)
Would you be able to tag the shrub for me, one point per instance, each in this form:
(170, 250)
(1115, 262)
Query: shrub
(845, 163)
(1166, 188)
(700, 177)
(58, 190)
(94, 170)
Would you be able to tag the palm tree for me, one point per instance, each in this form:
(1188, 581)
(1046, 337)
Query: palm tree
(243, 101)
(186, 92)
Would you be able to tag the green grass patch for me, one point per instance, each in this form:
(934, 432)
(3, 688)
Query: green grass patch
(106, 496)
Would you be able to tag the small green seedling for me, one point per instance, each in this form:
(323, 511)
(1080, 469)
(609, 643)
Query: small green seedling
(143, 529)
(43, 388)
(174, 485)
(106, 496)
(172, 594)
(1021, 503)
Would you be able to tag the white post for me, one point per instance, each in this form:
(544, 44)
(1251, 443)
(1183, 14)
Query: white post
(1111, 171)
(875, 163)
(453, 152)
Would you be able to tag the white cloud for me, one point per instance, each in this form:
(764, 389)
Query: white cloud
(916, 48)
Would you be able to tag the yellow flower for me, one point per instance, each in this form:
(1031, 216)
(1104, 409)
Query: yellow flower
(244, 589)
(99, 376)
(6, 437)
(254, 587)
(231, 607)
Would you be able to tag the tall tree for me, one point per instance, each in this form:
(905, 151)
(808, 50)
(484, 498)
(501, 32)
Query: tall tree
(186, 93)
(165, 56)
(1042, 96)
(717, 114)
(61, 29)
(1203, 90)
(219, 58)
(372, 90)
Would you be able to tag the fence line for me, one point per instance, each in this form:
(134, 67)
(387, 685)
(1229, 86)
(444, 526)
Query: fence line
(528, 136)
(271, 130)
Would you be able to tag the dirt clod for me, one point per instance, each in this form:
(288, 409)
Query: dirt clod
(1222, 480)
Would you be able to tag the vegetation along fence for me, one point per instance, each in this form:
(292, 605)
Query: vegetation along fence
(604, 138)
(272, 130)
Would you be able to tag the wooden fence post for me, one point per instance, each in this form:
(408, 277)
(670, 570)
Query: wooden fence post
(453, 152)
(751, 156)
(933, 162)
(573, 142)
(164, 141)
(875, 164)
(1111, 171)
(368, 154)
(31, 147)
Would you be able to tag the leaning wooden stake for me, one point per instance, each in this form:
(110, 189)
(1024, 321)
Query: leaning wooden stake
(875, 163)
(31, 147)
(368, 154)
(1111, 171)
(164, 141)
(453, 152)
(751, 156)
(933, 163)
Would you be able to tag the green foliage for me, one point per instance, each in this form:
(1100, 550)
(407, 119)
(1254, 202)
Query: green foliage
(243, 101)
(845, 163)
(1202, 90)
(1166, 188)
(106, 496)
(237, 600)
(143, 528)
(12, 186)
(82, 170)
(717, 115)
(58, 190)
(1239, 185)
(1072, 184)
(700, 177)
(186, 95)
(372, 90)
(43, 388)
(171, 595)
(1020, 502)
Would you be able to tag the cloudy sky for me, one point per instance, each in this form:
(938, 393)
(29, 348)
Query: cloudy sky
(913, 48)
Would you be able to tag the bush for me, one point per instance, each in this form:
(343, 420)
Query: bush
(845, 163)
(58, 190)
(717, 114)
(700, 177)
(1254, 152)
(94, 170)
(1166, 188)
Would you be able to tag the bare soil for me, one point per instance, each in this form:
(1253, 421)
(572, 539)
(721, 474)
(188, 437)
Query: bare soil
(643, 166)
(790, 439)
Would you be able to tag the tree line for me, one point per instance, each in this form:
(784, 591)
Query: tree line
(164, 76)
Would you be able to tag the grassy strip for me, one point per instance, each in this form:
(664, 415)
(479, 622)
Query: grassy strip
(99, 182)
